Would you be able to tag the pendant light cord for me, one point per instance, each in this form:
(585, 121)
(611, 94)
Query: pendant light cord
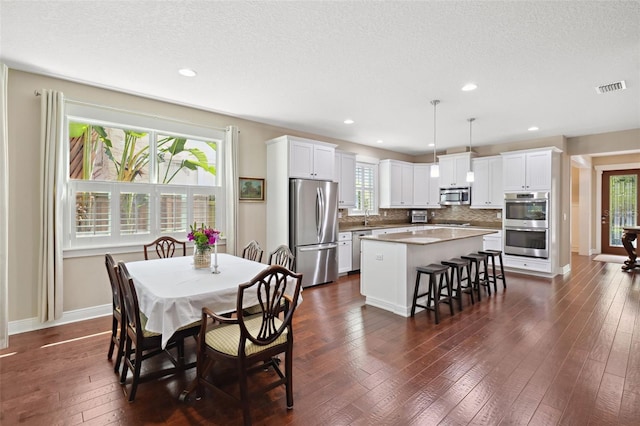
(434, 103)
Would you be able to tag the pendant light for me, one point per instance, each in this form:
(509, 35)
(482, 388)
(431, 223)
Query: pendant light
(470, 176)
(435, 169)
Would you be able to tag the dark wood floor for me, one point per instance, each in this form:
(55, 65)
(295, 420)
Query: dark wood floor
(561, 351)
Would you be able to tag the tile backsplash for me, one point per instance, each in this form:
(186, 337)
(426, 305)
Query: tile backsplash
(449, 213)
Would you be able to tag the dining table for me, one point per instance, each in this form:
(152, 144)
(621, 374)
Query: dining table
(172, 293)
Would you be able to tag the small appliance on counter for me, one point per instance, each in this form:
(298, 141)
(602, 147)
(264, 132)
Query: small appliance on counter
(419, 216)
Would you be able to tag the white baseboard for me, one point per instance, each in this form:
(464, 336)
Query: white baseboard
(32, 324)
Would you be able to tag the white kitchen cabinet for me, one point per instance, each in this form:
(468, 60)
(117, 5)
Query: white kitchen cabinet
(486, 190)
(492, 241)
(345, 167)
(344, 252)
(396, 184)
(529, 171)
(527, 263)
(426, 190)
(453, 169)
(311, 159)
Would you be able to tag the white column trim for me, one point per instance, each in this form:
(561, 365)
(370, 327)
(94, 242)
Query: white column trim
(599, 170)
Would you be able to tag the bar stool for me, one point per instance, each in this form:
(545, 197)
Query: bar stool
(491, 254)
(456, 268)
(478, 263)
(434, 292)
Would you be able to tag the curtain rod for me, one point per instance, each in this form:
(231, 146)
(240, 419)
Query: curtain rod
(224, 129)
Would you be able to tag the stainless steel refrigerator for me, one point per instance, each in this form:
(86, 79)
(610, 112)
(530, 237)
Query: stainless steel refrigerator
(313, 229)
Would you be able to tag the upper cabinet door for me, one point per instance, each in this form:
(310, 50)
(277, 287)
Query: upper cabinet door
(407, 185)
(426, 190)
(487, 191)
(301, 160)
(323, 162)
(513, 171)
(480, 187)
(421, 177)
(538, 171)
(346, 177)
(308, 160)
(447, 168)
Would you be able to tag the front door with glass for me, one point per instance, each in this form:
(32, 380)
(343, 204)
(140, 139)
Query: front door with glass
(620, 195)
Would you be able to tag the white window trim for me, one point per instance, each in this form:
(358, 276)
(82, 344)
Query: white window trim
(113, 117)
(374, 162)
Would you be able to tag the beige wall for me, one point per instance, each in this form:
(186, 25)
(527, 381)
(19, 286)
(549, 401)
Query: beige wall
(622, 141)
(85, 279)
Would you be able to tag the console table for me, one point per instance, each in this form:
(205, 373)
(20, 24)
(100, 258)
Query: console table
(628, 237)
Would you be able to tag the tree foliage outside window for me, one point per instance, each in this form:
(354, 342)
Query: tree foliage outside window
(150, 178)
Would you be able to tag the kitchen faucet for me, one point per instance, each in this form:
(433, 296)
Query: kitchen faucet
(366, 217)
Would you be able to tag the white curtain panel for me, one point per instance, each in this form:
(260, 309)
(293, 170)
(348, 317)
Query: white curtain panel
(4, 209)
(51, 178)
(231, 190)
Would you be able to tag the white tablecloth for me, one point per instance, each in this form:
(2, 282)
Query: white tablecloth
(172, 293)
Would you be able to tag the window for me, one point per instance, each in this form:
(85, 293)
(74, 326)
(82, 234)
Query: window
(366, 189)
(132, 178)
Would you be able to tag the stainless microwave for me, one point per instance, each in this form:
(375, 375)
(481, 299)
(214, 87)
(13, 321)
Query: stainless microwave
(454, 196)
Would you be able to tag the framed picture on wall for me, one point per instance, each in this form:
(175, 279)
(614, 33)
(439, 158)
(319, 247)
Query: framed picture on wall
(251, 189)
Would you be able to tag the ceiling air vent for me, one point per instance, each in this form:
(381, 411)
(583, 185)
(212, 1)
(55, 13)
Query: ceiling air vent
(611, 87)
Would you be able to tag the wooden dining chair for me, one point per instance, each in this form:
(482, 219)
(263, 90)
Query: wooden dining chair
(282, 256)
(117, 325)
(165, 247)
(142, 344)
(252, 251)
(252, 343)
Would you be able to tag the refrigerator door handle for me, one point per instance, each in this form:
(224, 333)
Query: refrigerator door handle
(318, 212)
(319, 247)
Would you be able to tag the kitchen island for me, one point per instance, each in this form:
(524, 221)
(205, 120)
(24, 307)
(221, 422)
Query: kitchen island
(389, 262)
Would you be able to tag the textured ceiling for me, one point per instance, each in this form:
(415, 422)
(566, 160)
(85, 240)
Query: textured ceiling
(310, 65)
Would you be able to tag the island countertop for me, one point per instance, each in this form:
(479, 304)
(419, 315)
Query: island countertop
(429, 236)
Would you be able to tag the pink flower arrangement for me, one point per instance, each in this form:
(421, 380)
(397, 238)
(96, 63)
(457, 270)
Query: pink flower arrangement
(203, 237)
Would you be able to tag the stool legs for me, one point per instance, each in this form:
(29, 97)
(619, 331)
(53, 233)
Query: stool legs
(476, 278)
(486, 280)
(434, 292)
(456, 279)
(501, 276)
(447, 299)
(495, 277)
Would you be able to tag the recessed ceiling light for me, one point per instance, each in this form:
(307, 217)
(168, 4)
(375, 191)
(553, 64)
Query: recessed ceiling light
(379, 141)
(187, 72)
(533, 129)
(349, 121)
(430, 144)
(469, 87)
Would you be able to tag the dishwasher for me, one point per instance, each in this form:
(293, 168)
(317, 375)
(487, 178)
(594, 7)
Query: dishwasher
(355, 248)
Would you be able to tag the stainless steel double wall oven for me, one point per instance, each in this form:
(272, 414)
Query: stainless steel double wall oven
(526, 224)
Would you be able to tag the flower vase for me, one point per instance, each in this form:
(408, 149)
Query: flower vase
(201, 257)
